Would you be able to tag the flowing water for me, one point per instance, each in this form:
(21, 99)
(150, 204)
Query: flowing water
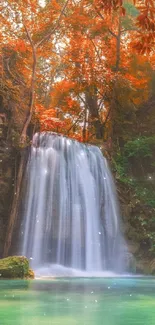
(111, 301)
(71, 217)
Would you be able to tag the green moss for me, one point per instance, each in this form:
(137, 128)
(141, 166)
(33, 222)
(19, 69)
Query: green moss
(30, 274)
(15, 267)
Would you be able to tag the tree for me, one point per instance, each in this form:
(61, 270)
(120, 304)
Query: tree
(28, 20)
(98, 61)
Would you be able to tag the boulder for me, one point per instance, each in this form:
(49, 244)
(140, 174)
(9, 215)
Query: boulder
(145, 266)
(15, 267)
(152, 267)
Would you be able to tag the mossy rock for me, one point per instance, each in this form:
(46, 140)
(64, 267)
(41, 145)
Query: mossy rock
(15, 267)
(31, 274)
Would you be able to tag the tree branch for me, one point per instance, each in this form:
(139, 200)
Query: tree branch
(12, 75)
(96, 50)
(101, 101)
(112, 33)
(130, 30)
(33, 77)
(84, 102)
(79, 116)
(102, 17)
(105, 122)
(47, 37)
(32, 88)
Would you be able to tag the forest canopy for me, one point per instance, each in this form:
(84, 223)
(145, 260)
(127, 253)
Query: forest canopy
(88, 66)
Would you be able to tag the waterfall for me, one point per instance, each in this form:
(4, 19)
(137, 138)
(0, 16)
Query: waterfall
(70, 214)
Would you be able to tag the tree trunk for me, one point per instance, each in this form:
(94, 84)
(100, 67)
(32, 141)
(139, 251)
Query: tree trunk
(84, 125)
(91, 101)
(118, 46)
(14, 208)
(117, 68)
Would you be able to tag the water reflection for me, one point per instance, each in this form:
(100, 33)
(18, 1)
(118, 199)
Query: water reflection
(78, 301)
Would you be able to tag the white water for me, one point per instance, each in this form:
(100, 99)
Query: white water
(71, 217)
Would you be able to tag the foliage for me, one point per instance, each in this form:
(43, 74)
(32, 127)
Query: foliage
(145, 193)
(146, 22)
(140, 147)
(120, 167)
(73, 71)
(137, 153)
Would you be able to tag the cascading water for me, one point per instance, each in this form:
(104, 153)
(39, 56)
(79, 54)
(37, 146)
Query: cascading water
(71, 216)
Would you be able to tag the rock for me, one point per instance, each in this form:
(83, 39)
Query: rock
(15, 267)
(152, 267)
(143, 267)
(130, 263)
(31, 274)
(133, 247)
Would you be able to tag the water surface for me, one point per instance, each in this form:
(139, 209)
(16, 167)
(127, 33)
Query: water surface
(76, 301)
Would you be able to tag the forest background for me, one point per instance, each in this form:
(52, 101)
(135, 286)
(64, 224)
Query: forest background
(85, 69)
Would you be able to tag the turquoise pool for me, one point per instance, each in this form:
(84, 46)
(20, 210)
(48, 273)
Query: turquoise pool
(78, 301)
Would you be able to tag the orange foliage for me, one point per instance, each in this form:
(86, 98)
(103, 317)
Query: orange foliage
(86, 56)
(146, 23)
(48, 118)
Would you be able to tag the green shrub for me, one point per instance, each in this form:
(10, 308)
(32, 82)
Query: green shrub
(139, 147)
